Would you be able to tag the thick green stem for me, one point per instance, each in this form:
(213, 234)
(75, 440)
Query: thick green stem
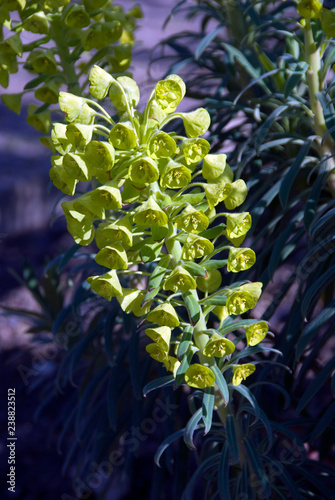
(313, 58)
(67, 63)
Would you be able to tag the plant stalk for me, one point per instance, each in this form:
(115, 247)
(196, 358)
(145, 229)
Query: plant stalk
(313, 58)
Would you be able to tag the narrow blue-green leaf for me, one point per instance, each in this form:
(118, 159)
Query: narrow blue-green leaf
(208, 465)
(234, 325)
(243, 61)
(88, 397)
(265, 127)
(316, 289)
(223, 474)
(67, 256)
(221, 383)
(206, 41)
(185, 341)
(134, 362)
(288, 180)
(257, 465)
(326, 220)
(295, 77)
(191, 427)
(207, 408)
(165, 444)
(328, 111)
(247, 394)
(232, 439)
(214, 264)
(281, 389)
(324, 421)
(316, 385)
(313, 199)
(286, 479)
(193, 307)
(313, 328)
(253, 350)
(156, 384)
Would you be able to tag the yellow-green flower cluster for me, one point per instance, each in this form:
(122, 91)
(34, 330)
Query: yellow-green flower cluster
(151, 196)
(75, 28)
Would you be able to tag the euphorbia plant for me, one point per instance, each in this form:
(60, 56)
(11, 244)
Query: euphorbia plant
(66, 36)
(149, 203)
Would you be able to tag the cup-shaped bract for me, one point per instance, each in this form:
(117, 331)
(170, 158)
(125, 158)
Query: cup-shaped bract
(157, 352)
(161, 145)
(172, 364)
(196, 122)
(123, 136)
(194, 150)
(175, 175)
(237, 195)
(169, 93)
(156, 114)
(218, 346)
(100, 35)
(39, 120)
(215, 167)
(131, 302)
(113, 257)
(107, 196)
(199, 376)
(99, 156)
(100, 81)
(310, 8)
(256, 333)
(59, 139)
(241, 372)
(240, 259)
(77, 17)
(181, 280)
(93, 4)
(79, 135)
(55, 4)
(211, 282)
(192, 220)
(43, 61)
(87, 206)
(121, 59)
(107, 285)
(161, 336)
(75, 108)
(13, 45)
(143, 171)
(36, 23)
(238, 225)
(196, 247)
(150, 214)
(215, 193)
(124, 89)
(164, 315)
(76, 167)
(108, 233)
(48, 93)
(243, 298)
(81, 229)
(60, 178)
